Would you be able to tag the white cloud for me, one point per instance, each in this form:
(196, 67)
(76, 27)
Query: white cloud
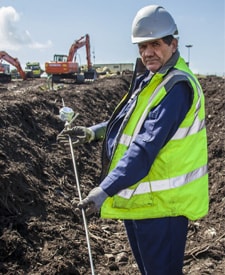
(11, 37)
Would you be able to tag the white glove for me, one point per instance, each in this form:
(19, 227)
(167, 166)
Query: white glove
(79, 135)
(93, 202)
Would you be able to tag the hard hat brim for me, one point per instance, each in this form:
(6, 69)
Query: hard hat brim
(138, 40)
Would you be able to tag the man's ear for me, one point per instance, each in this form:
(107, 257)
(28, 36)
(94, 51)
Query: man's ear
(174, 44)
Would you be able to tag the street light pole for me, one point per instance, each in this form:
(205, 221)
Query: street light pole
(189, 48)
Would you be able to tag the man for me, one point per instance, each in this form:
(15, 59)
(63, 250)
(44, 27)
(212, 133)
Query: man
(154, 152)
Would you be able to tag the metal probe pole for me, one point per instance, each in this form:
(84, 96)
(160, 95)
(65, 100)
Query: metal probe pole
(83, 212)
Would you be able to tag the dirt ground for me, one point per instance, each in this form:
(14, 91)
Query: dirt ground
(40, 232)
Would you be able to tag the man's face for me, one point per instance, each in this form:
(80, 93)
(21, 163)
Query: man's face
(155, 54)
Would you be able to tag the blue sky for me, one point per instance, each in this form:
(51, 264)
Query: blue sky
(36, 30)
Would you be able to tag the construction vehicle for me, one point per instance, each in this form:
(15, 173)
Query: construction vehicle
(33, 70)
(5, 75)
(65, 66)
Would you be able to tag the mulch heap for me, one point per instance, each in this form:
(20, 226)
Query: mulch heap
(40, 231)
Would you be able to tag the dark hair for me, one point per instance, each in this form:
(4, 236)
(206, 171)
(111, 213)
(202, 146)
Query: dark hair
(168, 39)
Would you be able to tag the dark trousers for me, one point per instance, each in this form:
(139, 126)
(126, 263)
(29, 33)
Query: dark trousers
(158, 244)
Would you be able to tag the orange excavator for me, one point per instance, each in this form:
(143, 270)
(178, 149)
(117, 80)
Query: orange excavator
(5, 75)
(65, 66)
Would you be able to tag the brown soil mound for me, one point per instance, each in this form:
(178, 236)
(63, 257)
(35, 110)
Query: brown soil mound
(40, 233)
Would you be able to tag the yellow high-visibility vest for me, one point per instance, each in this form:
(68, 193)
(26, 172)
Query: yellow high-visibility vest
(177, 182)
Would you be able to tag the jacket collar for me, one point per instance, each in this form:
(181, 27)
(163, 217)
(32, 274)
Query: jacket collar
(170, 63)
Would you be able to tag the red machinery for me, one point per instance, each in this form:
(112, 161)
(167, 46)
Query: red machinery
(5, 75)
(66, 67)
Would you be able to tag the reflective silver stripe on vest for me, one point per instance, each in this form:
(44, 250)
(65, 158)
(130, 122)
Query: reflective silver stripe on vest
(125, 139)
(161, 185)
(197, 125)
(181, 133)
(147, 109)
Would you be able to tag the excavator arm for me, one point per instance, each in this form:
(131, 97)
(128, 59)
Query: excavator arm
(83, 41)
(65, 66)
(13, 61)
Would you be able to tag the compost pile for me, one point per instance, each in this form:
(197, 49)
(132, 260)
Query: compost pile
(40, 231)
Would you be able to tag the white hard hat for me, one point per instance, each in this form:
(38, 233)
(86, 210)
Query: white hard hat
(152, 22)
